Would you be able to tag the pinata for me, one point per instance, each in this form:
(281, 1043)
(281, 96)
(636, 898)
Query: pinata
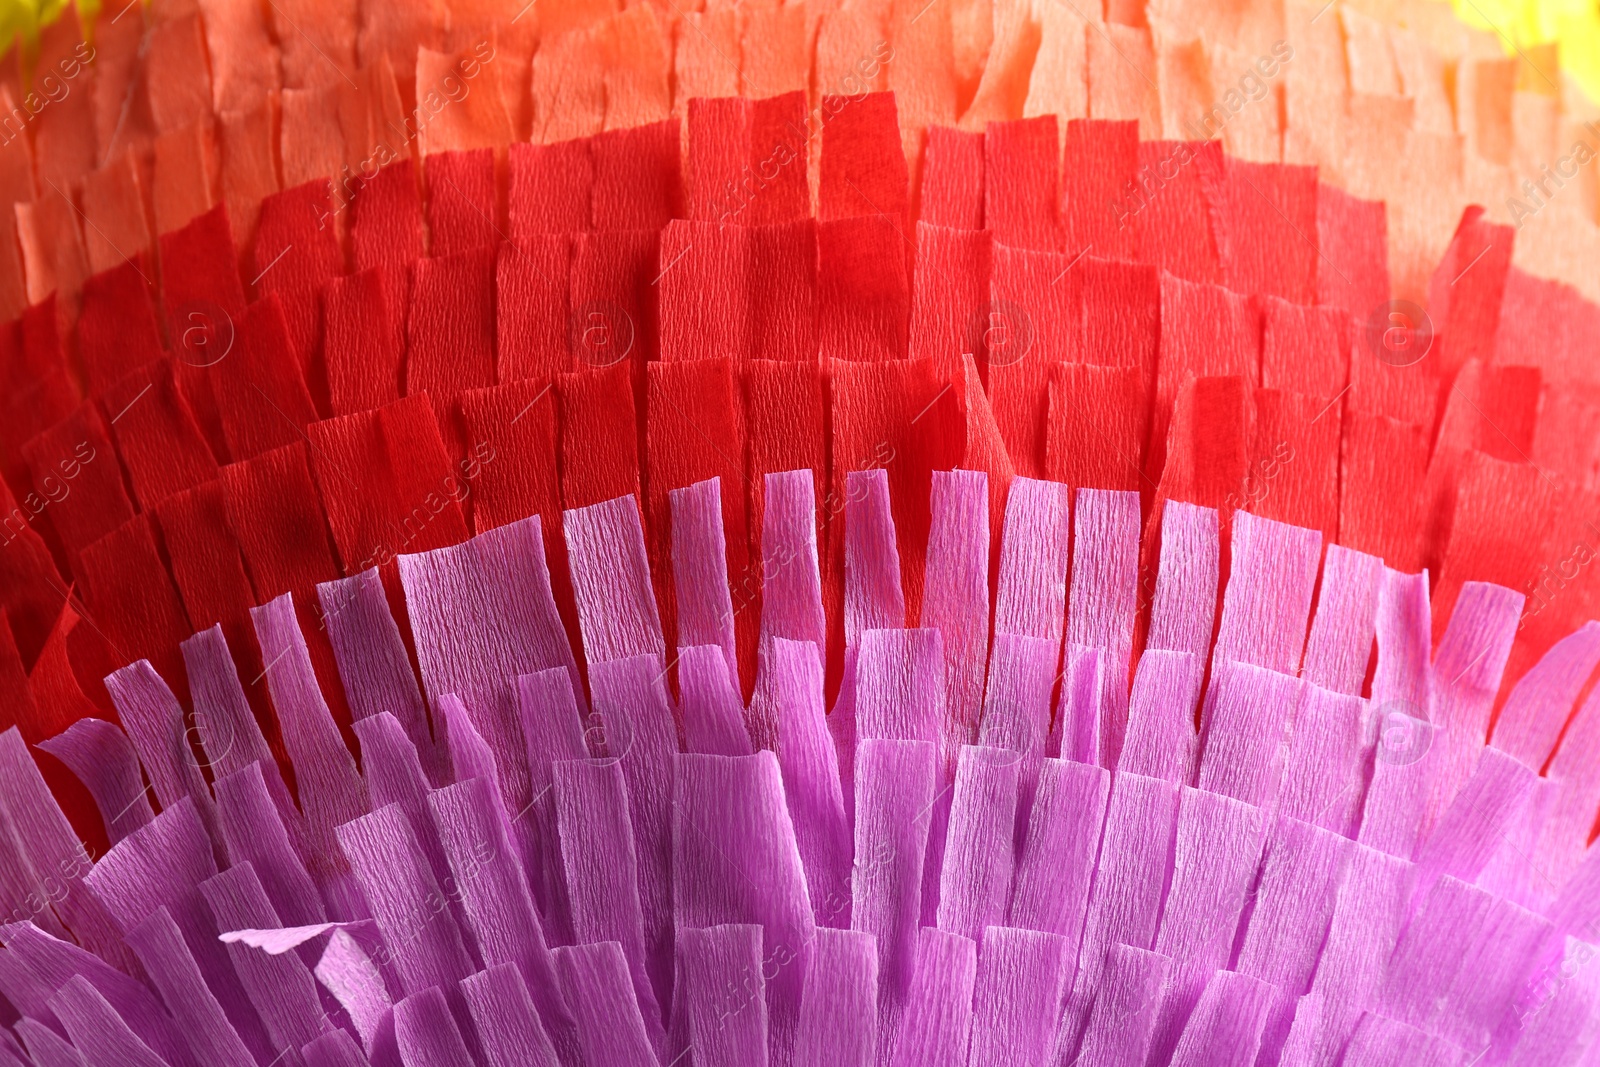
(833, 533)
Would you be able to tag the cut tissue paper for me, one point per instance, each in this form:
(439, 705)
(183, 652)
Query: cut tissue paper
(860, 534)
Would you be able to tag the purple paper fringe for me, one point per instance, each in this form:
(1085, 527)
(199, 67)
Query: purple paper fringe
(1007, 844)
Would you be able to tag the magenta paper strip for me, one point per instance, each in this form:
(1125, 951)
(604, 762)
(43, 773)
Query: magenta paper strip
(839, 1013)
(1105, 582)
(976, 880)
(1340, 643)
(873, 596)
(373, 663)
(700, 571)
(1184, 609)
(955, 599)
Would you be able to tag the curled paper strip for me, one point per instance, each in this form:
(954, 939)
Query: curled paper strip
(277, 941)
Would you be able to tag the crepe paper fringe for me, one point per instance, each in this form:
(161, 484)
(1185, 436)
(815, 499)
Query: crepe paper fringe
(794, 374)
(602, 813)
(556, 861)
(577, 247)
(130, 126)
